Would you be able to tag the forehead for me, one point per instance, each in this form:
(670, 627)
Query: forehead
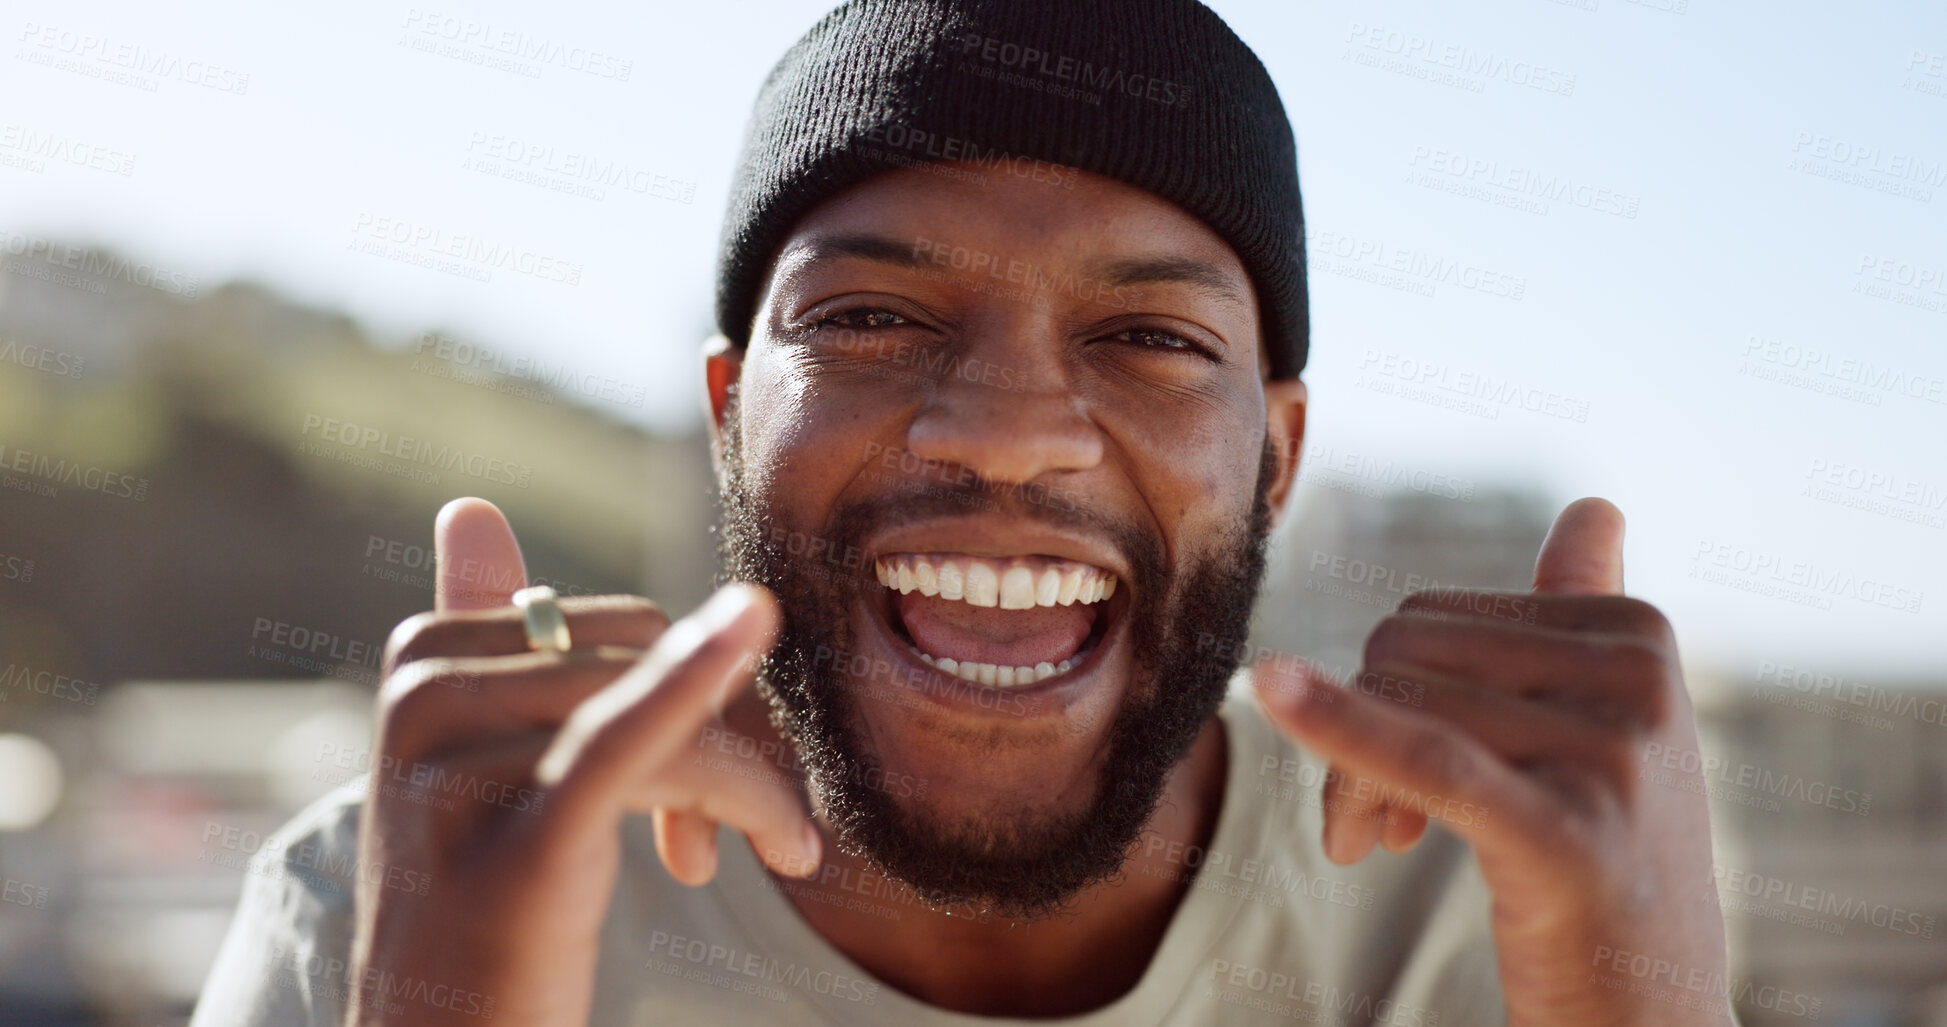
(962, 214)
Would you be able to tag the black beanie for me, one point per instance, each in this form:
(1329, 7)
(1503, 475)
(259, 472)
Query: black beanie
(1160, 94)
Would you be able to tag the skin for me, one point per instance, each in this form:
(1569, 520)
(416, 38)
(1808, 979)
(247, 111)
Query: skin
(1539, 724)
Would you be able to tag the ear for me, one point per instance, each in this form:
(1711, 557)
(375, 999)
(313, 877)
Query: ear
(1284, 412)
(723, 366)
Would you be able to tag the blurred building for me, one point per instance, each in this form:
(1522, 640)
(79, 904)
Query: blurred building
(1354, 550)
(1831, 802)
(121, 899)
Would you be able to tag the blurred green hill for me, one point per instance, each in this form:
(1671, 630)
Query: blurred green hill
(175, 501)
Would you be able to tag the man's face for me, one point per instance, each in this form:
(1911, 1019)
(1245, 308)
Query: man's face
(966, 400)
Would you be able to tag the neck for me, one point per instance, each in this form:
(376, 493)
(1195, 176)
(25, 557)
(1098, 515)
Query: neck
(1081, 959)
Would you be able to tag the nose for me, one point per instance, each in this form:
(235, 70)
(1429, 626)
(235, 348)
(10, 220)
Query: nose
(1007, 422)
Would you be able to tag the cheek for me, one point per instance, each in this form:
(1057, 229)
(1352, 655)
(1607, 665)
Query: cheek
(773, 417)
(801, 439)
(1197, 470)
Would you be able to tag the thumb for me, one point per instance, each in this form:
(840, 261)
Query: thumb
(477, 560)
(1583, 553)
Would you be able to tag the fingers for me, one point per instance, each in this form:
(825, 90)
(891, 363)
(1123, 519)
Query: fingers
(1517, 729)
(687, 843)
(1421, 762)
(441, 703)
(1610, 677)
(618, 736)
(467, 784)
(592, 621)
(618, 729)
(1357, 811)
(1583, 553)
(1353, 826)
(1403, 829)
(758, 796)
(626, 743)
(1612, 613)
(479, 562)
(699, 791)
(1353, 813)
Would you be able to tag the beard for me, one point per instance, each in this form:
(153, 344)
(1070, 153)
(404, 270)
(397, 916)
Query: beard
(1188, 627)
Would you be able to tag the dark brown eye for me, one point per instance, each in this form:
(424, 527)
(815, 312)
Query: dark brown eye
(1156, 338)
(863, 317)
(1159, 339)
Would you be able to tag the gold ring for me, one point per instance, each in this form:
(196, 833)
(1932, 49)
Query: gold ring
(547, 629)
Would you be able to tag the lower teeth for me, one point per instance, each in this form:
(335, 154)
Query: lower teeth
(990, 674)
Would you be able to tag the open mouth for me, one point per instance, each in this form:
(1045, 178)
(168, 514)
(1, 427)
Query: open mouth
(1006, 622)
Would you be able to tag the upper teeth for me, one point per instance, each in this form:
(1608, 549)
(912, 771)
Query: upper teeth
(1011, 583)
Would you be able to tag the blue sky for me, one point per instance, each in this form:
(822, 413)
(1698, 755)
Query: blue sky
(1682, 253)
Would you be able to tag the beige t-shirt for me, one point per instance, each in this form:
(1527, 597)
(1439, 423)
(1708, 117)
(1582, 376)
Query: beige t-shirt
(1271, 931)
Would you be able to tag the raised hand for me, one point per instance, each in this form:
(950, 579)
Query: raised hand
(1535, 712)
(502, 776)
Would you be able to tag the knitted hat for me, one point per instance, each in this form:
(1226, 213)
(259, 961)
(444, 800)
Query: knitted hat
(1160, 94)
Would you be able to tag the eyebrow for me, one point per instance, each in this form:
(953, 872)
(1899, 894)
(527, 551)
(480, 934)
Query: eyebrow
(870, 247)
(1189, 271)
(801, 255)
(1184, 270)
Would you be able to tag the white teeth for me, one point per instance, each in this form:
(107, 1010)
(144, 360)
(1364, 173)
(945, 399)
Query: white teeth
(925, 578)
(983, 585)
(1017, 589)
(993, 674)
(1071, 586)
(953, 582)
(1047, 588)
(1008, 583)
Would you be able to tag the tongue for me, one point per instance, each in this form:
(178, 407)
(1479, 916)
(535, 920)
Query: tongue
(988, 634)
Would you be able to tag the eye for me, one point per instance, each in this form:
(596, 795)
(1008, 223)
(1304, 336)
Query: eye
(1156, 337)
(863, 317)
(1159, 339)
